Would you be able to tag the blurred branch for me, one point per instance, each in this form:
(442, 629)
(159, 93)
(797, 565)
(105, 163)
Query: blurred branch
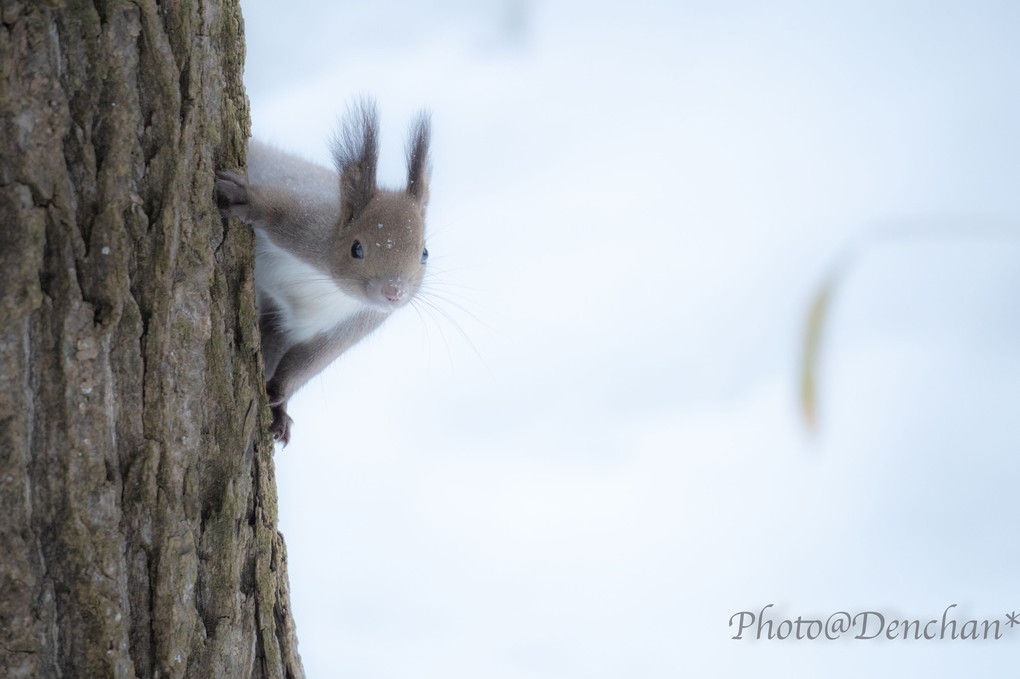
(821, 302)
(812, 348)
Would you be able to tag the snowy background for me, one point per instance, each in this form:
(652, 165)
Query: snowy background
(593, 455)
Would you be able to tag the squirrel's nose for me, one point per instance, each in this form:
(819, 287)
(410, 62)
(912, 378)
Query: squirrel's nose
(394, 293)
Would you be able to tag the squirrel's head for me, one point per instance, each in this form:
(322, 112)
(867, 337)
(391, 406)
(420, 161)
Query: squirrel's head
(381, 253)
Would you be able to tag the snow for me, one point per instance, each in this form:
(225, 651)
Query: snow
(631, 207)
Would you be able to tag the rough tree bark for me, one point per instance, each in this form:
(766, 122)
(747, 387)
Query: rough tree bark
(137, 497)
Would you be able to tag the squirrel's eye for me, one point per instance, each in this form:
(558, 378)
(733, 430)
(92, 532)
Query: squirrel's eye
(356, 251)
(424, 255)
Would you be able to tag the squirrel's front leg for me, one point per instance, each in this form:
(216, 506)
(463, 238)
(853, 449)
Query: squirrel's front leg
(302, 361)
(277, 211)
(274, 346)
(291, 370)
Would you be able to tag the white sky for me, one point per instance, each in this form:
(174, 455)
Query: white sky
(597, 458)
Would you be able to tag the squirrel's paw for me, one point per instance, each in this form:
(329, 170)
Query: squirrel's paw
(280, 428)
(232, 195)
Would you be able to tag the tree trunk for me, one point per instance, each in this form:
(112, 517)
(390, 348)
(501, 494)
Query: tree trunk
(137, 494)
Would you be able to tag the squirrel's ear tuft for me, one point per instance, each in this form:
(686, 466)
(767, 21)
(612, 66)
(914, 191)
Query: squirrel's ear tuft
(418, 159)
(355, 149)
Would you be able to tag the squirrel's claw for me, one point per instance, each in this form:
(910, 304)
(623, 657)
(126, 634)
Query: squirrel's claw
(280, 428)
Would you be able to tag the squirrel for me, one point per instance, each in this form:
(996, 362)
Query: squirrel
(334, 254)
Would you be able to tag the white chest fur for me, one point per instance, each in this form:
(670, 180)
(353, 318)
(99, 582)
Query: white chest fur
(308, 299)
